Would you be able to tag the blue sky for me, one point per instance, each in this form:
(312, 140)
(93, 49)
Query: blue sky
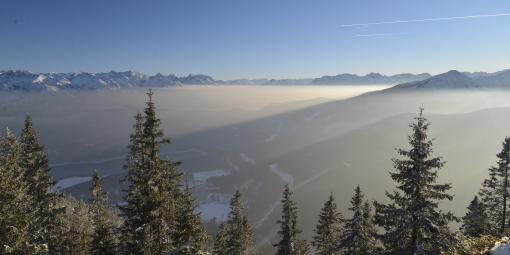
(253, 39)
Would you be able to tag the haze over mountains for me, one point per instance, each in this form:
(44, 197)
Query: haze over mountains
(226, 143)
(457, 80)
(317, 149)
(14, 80)
(316, 146)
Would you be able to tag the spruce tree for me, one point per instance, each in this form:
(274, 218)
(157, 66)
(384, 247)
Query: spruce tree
(412, 222)
(289, 243)
(134, 209)
(238, 236)
(16, 215)
(474, 223)
(302, 247)
(103, 238)
(78, 237)
(370, 229)
(153, 188)
(494, 193)
(189, 237)
(358, 237)
(329, 229)
(46, 227)
(220, 241)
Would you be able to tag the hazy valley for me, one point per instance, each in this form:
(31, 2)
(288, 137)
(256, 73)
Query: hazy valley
(257, 139)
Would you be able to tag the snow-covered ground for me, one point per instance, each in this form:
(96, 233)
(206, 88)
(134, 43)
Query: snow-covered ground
(287, 178)
(247, 158)
(502, 247)
(201, 177)
(72, 181)
(232, 164)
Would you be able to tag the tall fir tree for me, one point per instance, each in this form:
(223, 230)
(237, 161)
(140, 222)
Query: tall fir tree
(289, 243)
(16, 215)
(103, 238)
(153, 188)
(494, 193)
(359, 236)
(237, 232)
(78, 238)
(220, 240)
(133, 210)
(189, 236)
(370, 229)
(474, 223)
(412, 222)
(329, 229)
(47, 225)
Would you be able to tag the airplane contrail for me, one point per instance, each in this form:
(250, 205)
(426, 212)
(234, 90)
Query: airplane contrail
(378, 34)
(426, 20)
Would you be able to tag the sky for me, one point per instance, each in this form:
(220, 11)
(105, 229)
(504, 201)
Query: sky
(231, 39)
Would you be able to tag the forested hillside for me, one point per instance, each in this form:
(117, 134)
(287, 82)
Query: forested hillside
(159, 213)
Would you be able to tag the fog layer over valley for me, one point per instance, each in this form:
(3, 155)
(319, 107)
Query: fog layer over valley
(257, 139)
(108, 114)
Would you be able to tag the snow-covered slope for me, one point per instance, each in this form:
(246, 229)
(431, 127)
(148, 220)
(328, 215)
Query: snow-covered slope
(449, 80)
(14, 80)
(501, 248)
(371, 78)
(27, 81)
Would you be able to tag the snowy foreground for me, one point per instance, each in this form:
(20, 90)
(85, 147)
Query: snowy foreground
(502, 247)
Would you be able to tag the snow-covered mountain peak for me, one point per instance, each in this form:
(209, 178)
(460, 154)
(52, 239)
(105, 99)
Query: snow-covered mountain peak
(27, 81)
(450, 80)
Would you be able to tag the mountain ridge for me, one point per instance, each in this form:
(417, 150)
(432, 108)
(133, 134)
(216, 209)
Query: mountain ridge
(453, 80)
(21, 80)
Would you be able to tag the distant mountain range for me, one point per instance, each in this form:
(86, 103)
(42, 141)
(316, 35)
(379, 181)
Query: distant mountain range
(458, 80)
(371, 78)
(14, 80)
(27, 81)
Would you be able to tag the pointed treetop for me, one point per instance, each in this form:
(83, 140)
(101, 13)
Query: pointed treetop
(150, 94)
(8, 132)
(28, 119)
(421, 119)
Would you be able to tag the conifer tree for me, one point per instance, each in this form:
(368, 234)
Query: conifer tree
(412, 222)
(78, 238)
(220, 241)
(370, 229)
(302, 247)
(289, 243)
(46, 227)
(474, 223)
(329, 229)
(494, 193)
(103, 238)
(238, 236)
(153, 188)
(16, 215)
(133, 211)
(189, 236)
(358, 237)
